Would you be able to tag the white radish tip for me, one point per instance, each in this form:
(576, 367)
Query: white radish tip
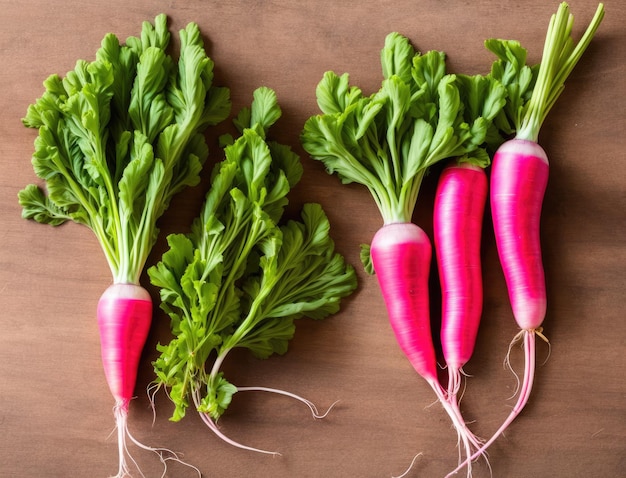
(126, 291)
(523, 146)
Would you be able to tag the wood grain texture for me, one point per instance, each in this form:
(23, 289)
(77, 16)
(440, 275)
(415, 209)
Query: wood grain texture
(55, 408)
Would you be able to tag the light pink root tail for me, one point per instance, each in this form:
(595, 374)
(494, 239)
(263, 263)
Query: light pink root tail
(120, 412)
(212, 424)
(467, 442)
(525, 388)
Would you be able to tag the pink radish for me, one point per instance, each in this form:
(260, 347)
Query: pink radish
(118, 138)
(401, 255)
(518, 181)
(458, 218)
(519, 176)
(124, 316)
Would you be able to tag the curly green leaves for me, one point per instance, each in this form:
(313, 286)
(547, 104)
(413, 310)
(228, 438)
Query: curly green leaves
(419, 116)
(239, 279)
(119, 136)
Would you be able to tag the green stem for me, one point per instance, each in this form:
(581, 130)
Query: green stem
(95, 218)
(557, 62)
(410, 192)
(248, 323)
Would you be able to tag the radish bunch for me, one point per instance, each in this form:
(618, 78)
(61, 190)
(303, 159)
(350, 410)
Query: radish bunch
(389, 140)
(118, 138)
(519, 177)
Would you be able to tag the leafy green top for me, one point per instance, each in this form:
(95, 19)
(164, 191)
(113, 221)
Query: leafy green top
(119, 136)
(238, 279)
(387, 141)
(518, 79)
(559, 58)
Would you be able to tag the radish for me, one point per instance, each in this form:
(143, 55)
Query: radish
(458, 219)
(401, 254)
(387, 142)
(124, 316)
(118, 138)
(457, 225)
(518, 181)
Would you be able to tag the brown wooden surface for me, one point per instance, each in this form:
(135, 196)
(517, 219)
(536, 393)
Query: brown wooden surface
(55, 408)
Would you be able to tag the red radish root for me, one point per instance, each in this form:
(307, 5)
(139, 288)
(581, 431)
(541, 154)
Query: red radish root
(401, 255)
(124, 317)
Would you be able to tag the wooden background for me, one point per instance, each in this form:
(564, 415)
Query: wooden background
(55, 408)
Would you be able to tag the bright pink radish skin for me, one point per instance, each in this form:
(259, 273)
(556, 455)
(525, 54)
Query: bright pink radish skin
(401, 255)
(458, 220)
(518, 182)
(124, 317)
(519, 178)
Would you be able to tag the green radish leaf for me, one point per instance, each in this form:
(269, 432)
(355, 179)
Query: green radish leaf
(120, 135)
(240, 278)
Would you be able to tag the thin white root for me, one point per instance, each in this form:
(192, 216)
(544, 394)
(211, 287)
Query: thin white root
(525, 390)
(454, 381)
(151, 391)
(120, 412)
(406, 472)
(308, 403)
(211, 423)
(470, 447)
(208, 420)
(507, 361)
(461, 393)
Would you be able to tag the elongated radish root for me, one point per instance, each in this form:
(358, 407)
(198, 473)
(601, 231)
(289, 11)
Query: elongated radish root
(458, 218)
(401, 255)
(519, 178)
(124, 317)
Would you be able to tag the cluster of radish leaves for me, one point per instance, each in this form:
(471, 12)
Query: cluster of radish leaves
(242, 276)
(387, 141)
(120, 136)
